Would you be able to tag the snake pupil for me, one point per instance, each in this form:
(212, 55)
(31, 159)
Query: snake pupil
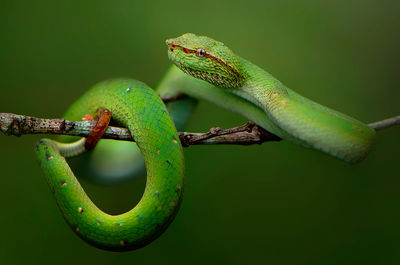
(200, 52)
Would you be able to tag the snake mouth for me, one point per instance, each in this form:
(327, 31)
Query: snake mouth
(175, 58)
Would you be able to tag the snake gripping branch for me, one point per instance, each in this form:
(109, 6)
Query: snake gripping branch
(17, 125)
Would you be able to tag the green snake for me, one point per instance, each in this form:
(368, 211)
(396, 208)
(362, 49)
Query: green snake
(230, 82)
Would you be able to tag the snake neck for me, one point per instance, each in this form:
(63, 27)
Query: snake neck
(259, 87)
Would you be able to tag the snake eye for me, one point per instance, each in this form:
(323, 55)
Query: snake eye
(200, 52)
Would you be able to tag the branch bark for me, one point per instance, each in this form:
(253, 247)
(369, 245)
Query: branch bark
(247, 134)
(383, 124)
(17, 125)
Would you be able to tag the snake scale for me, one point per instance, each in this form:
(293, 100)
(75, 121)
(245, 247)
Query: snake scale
(230, 82)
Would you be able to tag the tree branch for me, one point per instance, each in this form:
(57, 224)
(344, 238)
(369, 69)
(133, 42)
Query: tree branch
(383, 124)
(17, 125)
(174, 97)
(247, 134)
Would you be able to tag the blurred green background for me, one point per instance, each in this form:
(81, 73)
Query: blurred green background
(274, 203)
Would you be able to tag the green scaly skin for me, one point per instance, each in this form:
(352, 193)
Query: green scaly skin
(241, 87)
(288, 114)
(137, 107)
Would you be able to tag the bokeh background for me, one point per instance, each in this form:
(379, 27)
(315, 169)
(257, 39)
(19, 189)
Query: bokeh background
(275, 203)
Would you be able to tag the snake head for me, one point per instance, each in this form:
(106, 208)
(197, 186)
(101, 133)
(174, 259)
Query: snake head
(207, 59)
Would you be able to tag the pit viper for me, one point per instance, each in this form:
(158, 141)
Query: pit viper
(203, 69)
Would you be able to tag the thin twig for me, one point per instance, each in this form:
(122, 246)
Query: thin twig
(379, 125)
(246, 134)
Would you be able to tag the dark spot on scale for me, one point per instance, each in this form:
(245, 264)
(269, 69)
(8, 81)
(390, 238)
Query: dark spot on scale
(171, 49)
(63, 182)
(168, 162)
(178, 189)
(48, 156)
(80, 209)
(62, 125)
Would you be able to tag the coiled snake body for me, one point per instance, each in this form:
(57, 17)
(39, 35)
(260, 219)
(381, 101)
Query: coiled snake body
(232, 83)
